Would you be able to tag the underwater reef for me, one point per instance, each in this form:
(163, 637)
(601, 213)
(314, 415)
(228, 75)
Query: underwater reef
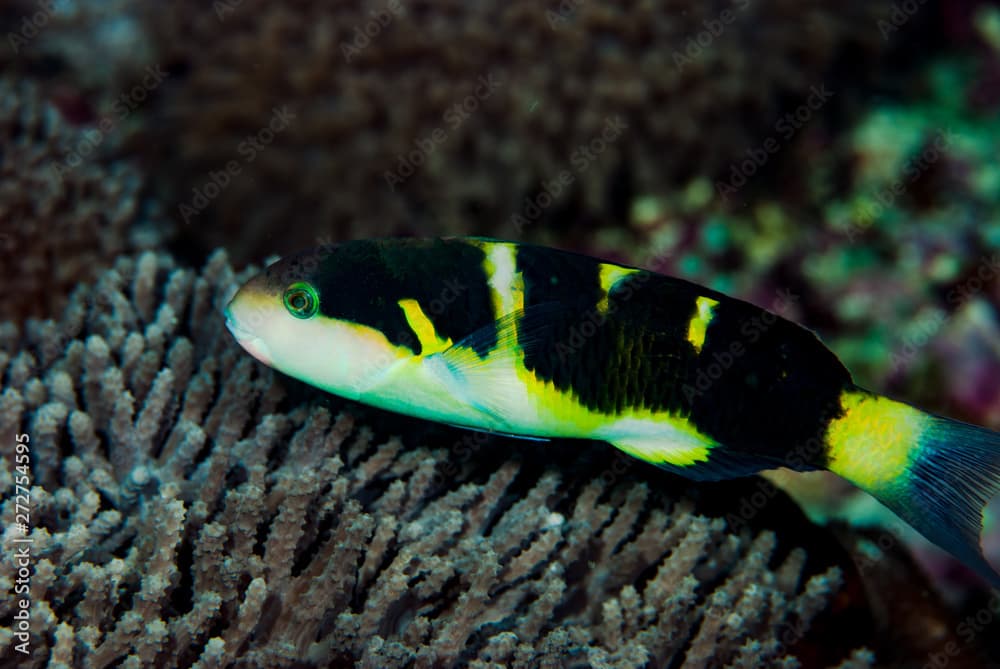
(192, 508)
(66, 213)
(182, 516)
(888, 245)
(456, 117)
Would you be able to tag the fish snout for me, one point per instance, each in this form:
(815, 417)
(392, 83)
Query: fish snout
(243, 330)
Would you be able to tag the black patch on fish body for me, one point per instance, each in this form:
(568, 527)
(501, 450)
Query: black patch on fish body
(363, 281)
(628, 357)
(774, 398)
(777, 397)
(552, 276)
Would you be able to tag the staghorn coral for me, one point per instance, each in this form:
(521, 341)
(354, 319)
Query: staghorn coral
(440, 117)
(63, 212)
(182, 515)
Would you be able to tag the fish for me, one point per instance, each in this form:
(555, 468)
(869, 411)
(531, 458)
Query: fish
(539, 343)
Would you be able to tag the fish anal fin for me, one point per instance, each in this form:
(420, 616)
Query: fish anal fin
(698, 462)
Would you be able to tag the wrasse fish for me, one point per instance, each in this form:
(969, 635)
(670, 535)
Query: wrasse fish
(540, 343)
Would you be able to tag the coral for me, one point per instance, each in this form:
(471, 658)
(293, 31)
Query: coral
(185, 513)
(64, 213)
(910, 613)
(445, 117)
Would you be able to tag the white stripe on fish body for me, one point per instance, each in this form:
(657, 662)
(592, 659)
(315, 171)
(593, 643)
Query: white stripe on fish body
(426, 387)
(501, 396)
(506, 283)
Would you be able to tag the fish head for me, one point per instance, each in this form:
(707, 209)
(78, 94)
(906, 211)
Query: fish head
(314, 316)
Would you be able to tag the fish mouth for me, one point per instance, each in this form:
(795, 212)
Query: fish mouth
(250, 342)
(234, 327)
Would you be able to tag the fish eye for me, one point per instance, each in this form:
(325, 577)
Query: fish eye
(301, 300)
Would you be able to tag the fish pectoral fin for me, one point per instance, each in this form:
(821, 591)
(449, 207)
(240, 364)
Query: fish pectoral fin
(696, 461)
(471, 384)
(372, 384)
(482, 368)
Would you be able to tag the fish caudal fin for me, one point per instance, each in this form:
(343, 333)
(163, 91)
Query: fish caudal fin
(935, 473)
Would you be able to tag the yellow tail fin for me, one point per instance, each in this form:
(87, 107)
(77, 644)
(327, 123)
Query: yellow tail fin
(935, 473)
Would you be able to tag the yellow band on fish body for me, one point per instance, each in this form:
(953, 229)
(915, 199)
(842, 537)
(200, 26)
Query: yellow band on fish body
(698, 326)
(430, 341)
(506, 283)
(873, 444)
(609, 275)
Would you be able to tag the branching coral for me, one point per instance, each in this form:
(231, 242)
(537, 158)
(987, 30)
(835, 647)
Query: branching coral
(63, 212)
(438, 117)
(181, 516)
